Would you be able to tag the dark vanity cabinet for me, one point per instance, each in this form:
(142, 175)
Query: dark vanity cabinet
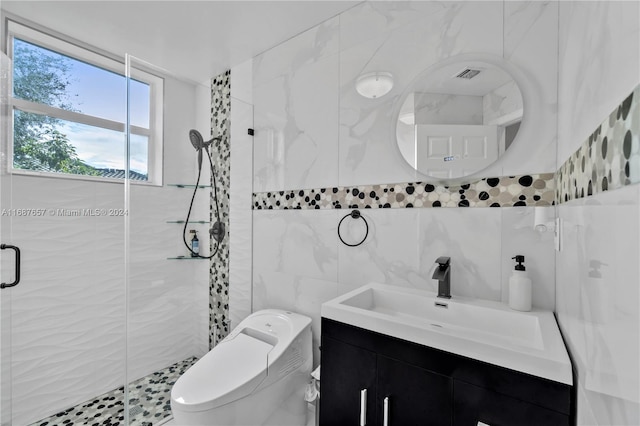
(473, 404)
(350, 384)
(412, 394)
(360, 380)
(376, 380)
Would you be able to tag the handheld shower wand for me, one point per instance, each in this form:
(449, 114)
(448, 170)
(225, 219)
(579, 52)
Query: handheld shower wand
(217, 231)
(198, 143)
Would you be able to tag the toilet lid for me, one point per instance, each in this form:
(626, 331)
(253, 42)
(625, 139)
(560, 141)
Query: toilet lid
(230, 371)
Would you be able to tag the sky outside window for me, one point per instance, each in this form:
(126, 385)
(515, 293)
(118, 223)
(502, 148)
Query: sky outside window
(100, 93)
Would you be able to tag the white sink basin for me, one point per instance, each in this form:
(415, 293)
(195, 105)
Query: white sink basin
(489, 331)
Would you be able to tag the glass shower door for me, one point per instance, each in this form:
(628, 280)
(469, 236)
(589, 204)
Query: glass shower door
(167, 289)
(62, 328)
(110, 309)
(6, 274)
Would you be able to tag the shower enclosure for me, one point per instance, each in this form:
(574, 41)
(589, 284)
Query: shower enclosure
(109, 308)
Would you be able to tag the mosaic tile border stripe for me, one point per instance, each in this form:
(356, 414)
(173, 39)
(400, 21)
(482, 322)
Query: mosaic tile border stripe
(608, 159)
(507, 191)
(149, 402)
(219, 265)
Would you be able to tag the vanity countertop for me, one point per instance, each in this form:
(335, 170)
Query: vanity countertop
(489, 331)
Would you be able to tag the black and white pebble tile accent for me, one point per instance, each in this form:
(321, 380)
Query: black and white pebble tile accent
(507, 191)
(219, 265)
(149, 402)
(608, 159)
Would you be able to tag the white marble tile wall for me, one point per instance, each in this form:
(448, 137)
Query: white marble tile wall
(530, 40)
(299, 262)
(240, 216)
(598, 295)
(295, 262)
(520, 237)
(314, 130)
(296, 243)
(389, 254)
(597, 271)
(599, 42)
(296, 111)
(433, 33)
(403, 245)
(472, 240)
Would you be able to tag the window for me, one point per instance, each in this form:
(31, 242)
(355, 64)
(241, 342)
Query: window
(69, 112)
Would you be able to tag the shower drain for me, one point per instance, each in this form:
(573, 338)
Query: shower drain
(134, 411)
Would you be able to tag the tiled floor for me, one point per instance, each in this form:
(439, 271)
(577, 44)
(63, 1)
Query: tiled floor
(149, 402)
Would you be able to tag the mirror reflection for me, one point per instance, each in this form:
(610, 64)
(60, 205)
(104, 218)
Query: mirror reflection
(458, 119)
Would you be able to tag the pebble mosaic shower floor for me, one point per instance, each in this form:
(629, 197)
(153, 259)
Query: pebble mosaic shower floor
(149, 402)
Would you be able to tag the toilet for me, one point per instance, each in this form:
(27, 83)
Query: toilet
(256, 376)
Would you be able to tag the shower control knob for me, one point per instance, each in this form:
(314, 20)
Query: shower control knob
(217, 231)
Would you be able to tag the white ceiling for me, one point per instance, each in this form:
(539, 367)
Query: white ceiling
(193, 39)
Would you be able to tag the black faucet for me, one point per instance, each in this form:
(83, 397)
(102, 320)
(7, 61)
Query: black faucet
(443, 275)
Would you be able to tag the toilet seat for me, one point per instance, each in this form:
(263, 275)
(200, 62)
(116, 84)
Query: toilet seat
(233, 370)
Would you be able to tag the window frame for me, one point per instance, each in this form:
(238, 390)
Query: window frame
(61, 44)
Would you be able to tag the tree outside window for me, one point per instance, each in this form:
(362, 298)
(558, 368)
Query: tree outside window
(70, 107)
(38, 144)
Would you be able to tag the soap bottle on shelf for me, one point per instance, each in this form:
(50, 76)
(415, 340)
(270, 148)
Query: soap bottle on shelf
(195, 244)
(519, 287)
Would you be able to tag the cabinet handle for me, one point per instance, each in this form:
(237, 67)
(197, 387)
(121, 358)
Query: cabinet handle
(385, 411)
(363, 407)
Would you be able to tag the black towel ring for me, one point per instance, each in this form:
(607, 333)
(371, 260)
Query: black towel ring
(355, 214)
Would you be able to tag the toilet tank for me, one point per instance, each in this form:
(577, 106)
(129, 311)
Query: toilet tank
(290, 335)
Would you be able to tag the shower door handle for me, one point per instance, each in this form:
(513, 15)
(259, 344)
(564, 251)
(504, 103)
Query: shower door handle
(17, 279)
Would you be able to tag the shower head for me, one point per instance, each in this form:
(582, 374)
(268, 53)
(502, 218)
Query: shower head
(198, 142)
(196, 139)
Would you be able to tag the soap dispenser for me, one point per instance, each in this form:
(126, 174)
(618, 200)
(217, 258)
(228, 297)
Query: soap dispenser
(195, 244)
(519, 287)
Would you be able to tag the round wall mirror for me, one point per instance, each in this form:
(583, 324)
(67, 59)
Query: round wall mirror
(458, 118)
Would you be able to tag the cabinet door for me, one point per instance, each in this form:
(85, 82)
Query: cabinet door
(346, 371)
(473, 404)
(416, 396)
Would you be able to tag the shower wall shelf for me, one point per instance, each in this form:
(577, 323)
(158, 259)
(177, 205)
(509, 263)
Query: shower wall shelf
(186, 258)
(191, 221)
(184, 185)
(195, 222)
